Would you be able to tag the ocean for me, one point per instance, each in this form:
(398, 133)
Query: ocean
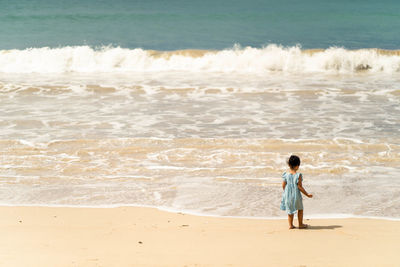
(195, 106)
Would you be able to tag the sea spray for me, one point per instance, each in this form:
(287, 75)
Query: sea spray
(271, 58)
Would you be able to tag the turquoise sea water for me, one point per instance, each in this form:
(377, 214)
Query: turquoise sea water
(91, 115)
(206, 24)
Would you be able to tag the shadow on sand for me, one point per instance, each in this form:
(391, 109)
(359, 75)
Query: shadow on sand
(323, 227)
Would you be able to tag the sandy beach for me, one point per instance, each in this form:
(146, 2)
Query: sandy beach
(130, 236)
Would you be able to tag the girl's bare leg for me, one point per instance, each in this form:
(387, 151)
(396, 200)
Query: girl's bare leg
(290, 220)
(300, 217)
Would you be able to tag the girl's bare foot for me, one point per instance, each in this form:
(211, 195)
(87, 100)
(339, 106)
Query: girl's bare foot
(303, 226)
(292, 227)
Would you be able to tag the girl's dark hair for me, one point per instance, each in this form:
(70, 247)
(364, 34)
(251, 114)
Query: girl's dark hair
(293, 161)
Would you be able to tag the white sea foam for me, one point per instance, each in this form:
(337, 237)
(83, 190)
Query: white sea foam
(84, 59)
(204, 142)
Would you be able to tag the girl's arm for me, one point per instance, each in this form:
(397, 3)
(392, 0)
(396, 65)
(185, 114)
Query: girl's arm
(300, 186)
(284, 185)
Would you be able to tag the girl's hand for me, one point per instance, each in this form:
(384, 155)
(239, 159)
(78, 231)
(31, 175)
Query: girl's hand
(309, 195)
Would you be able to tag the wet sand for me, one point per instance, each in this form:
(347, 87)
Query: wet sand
(128, 236)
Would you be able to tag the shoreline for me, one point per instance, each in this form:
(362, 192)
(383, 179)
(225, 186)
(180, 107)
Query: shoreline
(138, 236)
(199, 214)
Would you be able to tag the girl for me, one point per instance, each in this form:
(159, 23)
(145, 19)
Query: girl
(291, 197)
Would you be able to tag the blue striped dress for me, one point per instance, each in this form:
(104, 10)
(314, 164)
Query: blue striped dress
(292, 200)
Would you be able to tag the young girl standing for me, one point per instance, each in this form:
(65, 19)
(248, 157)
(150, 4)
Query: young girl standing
(292, 200)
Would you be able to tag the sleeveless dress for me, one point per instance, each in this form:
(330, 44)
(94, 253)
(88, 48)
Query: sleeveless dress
(292, 200)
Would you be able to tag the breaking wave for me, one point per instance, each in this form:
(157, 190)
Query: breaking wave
(272, 58)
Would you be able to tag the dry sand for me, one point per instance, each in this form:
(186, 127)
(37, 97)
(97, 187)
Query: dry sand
(38, 236)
